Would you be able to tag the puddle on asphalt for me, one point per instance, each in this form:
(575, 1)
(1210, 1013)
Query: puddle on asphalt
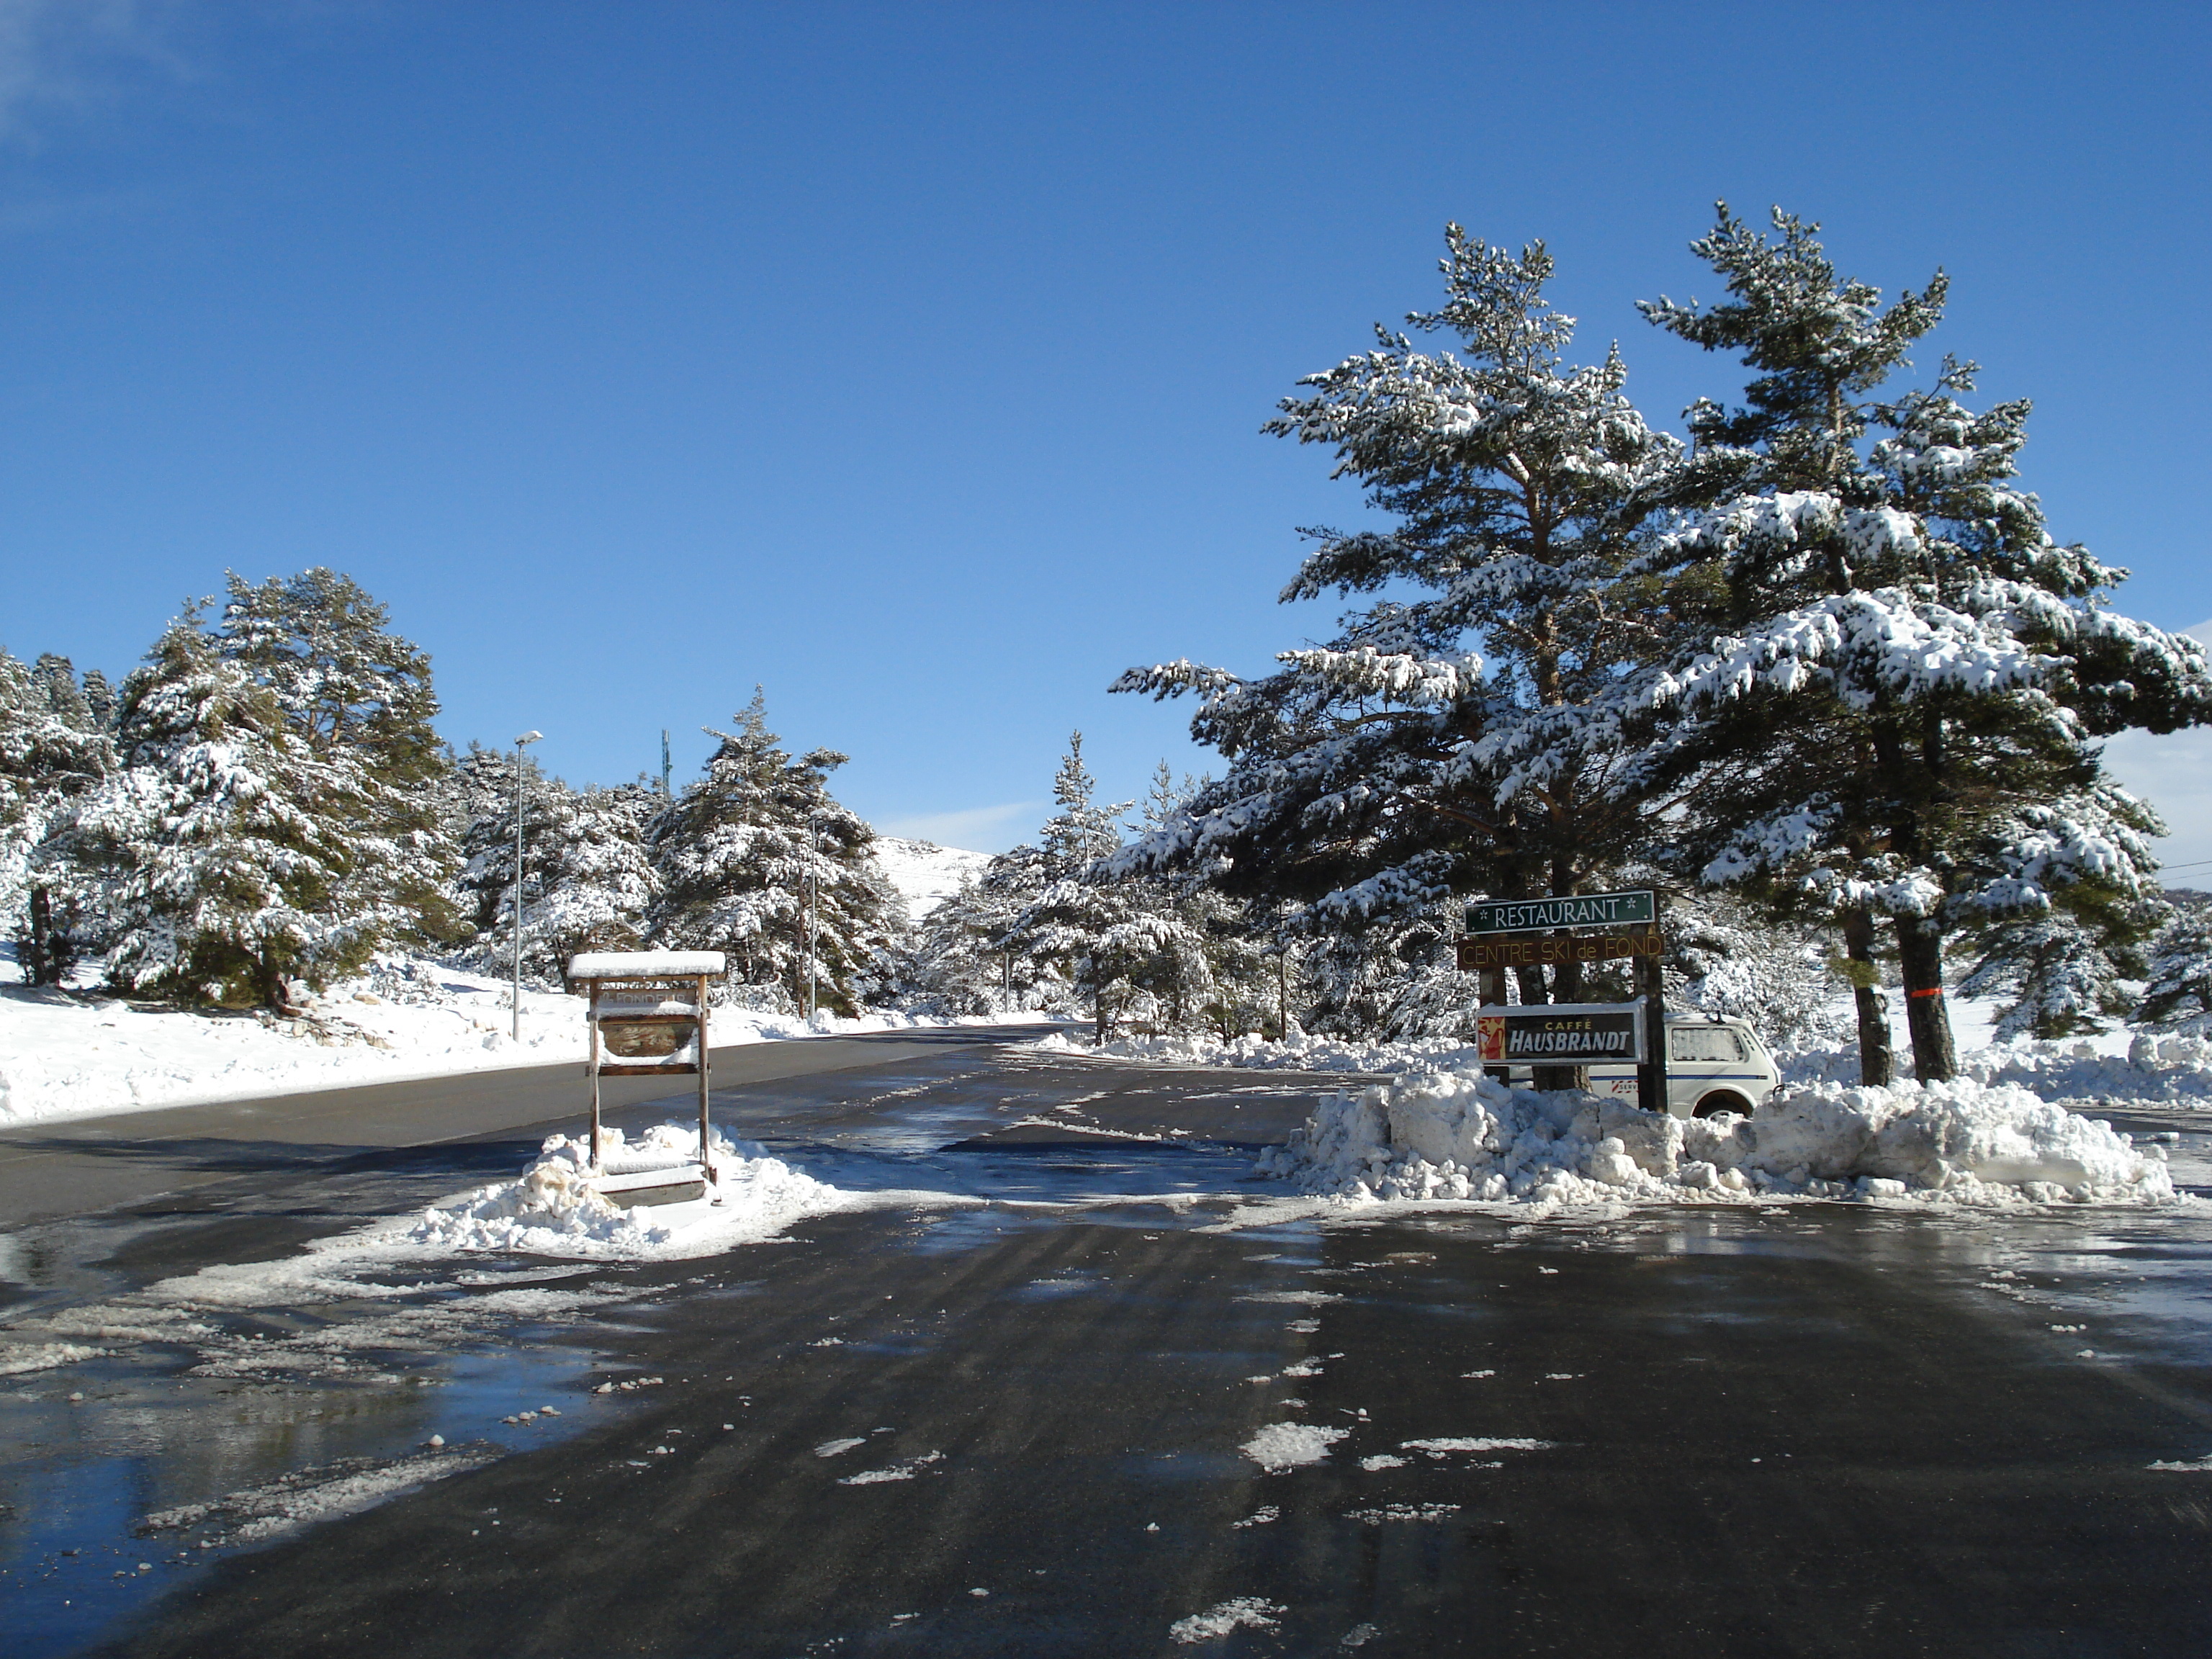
(84, 1473)
(300, 1408)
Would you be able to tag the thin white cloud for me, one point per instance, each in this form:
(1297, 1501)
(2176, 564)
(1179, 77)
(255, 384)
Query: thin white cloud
(2172, 771)
(72, 55)
(976, 829)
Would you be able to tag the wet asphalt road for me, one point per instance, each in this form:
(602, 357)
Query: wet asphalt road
(1827, 1430)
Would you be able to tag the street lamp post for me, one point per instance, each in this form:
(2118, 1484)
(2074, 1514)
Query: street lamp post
(527, 737)
(813, 905)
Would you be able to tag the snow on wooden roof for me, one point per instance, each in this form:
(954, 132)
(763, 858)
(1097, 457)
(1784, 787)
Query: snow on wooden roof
(645, 964)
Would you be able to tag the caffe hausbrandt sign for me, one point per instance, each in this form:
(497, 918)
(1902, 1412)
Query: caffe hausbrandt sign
(1561, 1034)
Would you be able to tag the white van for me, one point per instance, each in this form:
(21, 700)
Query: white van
(1713, 1065)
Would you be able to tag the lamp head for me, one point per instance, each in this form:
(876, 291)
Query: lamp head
(528, 737)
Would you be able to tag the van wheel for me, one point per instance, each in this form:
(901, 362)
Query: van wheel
(1723, 1100)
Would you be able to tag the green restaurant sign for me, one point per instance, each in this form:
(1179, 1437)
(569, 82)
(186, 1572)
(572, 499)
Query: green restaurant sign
(1581, 910)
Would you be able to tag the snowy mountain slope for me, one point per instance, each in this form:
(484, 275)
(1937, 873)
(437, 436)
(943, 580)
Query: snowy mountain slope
(925, 873)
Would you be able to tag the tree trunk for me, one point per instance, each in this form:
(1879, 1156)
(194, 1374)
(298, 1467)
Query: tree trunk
(1877, 1058)
(272, 986)
(1920, 954)
(41, 965)
(1566, 986)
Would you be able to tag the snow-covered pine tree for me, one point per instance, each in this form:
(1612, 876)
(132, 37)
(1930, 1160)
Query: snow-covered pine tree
(1222, 965)
(588, 882)
(99, 700)
(1084, 926)
(1737, 958)
(757, 860)
(359, 695)
(2062, 911)
(236, 864)
(49, 765)
(1893, 658)
(1081, 832)
(952, 966)
(603, 885)
(1372, 778)
(57, 678)
(2180, 991)
(967, 959)
(480, 791)
(478, 786)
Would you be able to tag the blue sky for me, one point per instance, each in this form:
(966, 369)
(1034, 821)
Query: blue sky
(909, 359)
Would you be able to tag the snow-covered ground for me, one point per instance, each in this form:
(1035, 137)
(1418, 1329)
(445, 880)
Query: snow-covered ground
(77, 1054)
(925, 873)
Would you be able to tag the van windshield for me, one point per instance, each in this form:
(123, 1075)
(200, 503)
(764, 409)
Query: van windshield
(1697, 1042)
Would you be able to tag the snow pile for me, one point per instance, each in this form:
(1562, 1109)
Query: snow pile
(1281, 1446)
(2154, 1067)
(2145, 1066)
(1458, 1135)
(17, 1359)
(1245, 1612)
(553, 1209)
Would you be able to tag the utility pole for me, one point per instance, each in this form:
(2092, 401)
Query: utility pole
(527, 737)
(665, 767)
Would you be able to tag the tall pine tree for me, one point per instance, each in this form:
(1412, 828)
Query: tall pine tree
(358, 696)
(54, 755)
(236, 868)
(1086, 928)
(757, 860)
(1467, 739)
(1892, 660)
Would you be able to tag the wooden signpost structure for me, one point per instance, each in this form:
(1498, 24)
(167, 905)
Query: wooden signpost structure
(1503, 933)
(647, 1017)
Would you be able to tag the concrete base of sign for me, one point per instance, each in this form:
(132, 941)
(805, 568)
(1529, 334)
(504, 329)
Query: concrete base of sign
(677, 1186)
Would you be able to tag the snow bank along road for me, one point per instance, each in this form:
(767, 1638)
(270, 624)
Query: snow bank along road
(78, 1166)
(1058, 1374)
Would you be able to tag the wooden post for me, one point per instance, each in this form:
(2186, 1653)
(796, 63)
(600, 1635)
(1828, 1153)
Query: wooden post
(1651, 981)
(592, 1019)
(1491, 981)
(705, 1158)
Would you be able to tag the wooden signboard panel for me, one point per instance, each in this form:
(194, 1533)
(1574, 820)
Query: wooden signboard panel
(1635, 906)
(1480, 956)
(648, 1017)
